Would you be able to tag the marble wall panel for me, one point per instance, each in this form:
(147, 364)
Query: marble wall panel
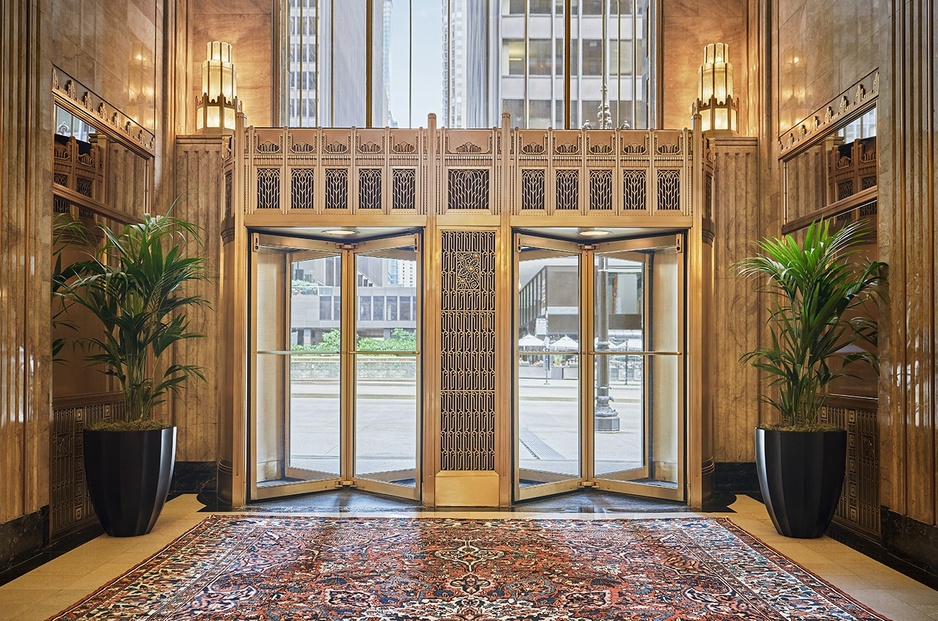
(111, 47)
(199, 188)
(686, 27)
(25, 297)
(908, 233)
(824, 46)
(247, 25)
(736, 305)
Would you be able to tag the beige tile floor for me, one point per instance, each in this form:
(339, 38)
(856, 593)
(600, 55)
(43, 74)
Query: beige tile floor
(66, 579)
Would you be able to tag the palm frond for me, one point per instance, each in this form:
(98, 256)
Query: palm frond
(817, 292)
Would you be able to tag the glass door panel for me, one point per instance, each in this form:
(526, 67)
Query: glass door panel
(638, 367)
(295, 411)
(386, 366)
(547, 378)
(314, 417)
(334, 378)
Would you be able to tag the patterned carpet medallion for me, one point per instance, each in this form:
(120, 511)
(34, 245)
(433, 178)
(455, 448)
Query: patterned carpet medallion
(384, 569)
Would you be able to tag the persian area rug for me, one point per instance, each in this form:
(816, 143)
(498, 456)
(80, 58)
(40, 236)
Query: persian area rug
(422, 569)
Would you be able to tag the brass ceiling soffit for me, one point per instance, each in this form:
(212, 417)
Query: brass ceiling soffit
(858, 98)
(81, 101)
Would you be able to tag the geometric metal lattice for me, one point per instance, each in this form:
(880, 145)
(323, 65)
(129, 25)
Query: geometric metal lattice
(268, 188)
(83, 186)
(69, 503)
(301, 188)
(336, 188)
(859, 505)
(369, 188)
(467, 353)
(601, 190)
(404, 188)
(228, 188)
(633, 190)
(532, 188)
(844, 189)
(669, 190)
(568, 189)
(468, 188)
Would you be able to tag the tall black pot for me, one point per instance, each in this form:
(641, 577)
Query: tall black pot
(128, 475)
(801, 474)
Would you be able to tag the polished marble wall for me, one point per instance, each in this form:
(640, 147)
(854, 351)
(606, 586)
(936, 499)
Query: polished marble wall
(248, 26)
(199, 184)
(686, 27)
(25, 226)
(111, 47)
(737, 220)
(908, 177)
(117, 50)
(822, 47)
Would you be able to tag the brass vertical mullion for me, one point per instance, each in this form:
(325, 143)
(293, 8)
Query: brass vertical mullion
(682, 374)
(587, 364)
(515, 382)
(647, 346)
(252, 378)
(347, 366)
(285, 384)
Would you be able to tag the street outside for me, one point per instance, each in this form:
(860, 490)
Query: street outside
(386, 427)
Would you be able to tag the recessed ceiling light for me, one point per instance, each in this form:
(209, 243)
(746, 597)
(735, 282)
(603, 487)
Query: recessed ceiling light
(593, 232)
(340, 232)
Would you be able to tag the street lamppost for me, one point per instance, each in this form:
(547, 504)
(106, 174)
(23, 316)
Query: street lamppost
(605, 418)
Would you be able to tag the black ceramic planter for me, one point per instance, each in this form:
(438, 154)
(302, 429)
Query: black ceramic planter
(800, 475)
(128, 474)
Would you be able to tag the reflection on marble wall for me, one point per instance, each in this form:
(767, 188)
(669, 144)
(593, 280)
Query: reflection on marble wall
(247, 26)
(686, 27)
(111, 47)
(908, 410)
(824, 46)
(25, 262)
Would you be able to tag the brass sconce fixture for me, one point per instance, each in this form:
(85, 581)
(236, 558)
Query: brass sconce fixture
(715, 103)
(218, 105)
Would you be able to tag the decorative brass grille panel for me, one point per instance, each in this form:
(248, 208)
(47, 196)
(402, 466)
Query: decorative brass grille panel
(467, 351)
(633, 190)
(859, 505)
(228, 178)
(468, 188)
(870, 209)
(601, 190)
(301, 188)
(69, 504)
(83, 186)
(844, 189)
(669, 190)
(568, 190)
(708, 197)
(60, 205)
(336, 188)
(404, 188)
(268, 188)
(532, 189)
(369, 188)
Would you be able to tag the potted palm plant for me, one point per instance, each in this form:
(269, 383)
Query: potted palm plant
(134, 285)
(816, 326)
